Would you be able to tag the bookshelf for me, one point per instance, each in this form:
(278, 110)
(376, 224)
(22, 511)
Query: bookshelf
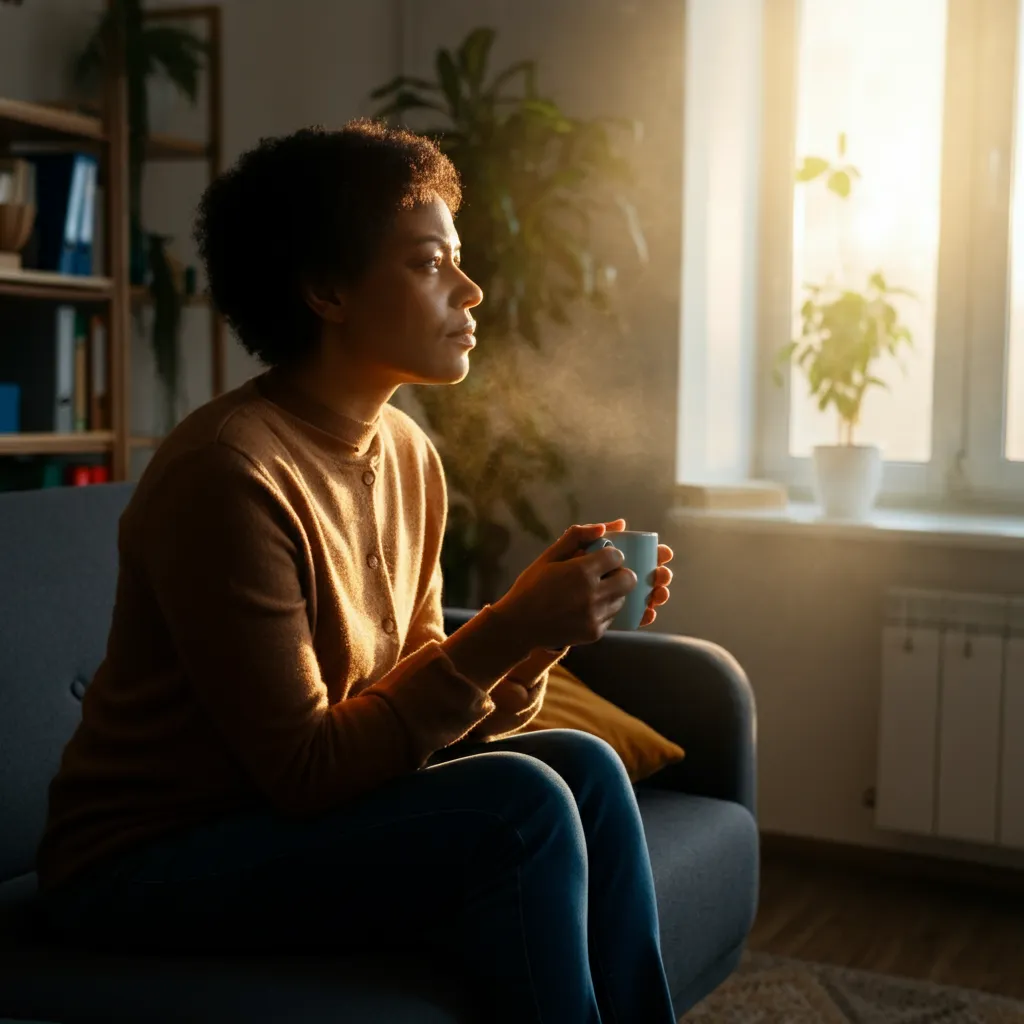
(111, 292)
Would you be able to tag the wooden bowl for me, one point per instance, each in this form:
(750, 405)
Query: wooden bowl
(16, 220)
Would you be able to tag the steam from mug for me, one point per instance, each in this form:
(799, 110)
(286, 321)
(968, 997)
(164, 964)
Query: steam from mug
(640, 551)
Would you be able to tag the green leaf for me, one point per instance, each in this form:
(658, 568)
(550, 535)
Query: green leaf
(448, 76)
(785, 354)
(473, 54)
(179, 53)
(547, 113)
(839, 183)
(402, 82)
(526, 68)
(812, 167)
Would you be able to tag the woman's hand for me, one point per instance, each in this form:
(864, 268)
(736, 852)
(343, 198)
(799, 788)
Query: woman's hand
(568, 596)
(662, 575)
(662, 579)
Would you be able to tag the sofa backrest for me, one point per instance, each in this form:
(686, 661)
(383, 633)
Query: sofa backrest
(58, 574)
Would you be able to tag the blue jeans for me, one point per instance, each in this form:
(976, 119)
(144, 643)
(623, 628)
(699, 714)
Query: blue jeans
(522, 863)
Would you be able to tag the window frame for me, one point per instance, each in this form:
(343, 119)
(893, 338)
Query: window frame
(986, 470)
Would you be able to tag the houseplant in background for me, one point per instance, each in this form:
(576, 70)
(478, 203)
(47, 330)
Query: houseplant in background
(845, 334)
(151, 52)
(535, 183)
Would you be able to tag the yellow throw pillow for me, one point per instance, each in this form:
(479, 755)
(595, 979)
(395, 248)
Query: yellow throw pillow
(571, 704)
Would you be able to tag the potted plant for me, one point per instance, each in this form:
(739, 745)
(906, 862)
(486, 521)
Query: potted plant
(535, 180)
(844, 334)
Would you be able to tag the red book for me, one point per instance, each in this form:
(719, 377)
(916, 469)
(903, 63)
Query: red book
(99, 474)
(79, 476)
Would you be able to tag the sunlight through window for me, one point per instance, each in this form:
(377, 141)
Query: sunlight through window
(874, 70)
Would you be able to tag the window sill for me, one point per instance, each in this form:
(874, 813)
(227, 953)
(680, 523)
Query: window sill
(945, 529)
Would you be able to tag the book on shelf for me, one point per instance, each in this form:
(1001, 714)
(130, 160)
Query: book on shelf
(37, 472)
(80, 385)
(66, 210)
(99, 404)
(45, 353)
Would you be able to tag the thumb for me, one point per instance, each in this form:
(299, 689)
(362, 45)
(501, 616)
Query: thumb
(572, 540)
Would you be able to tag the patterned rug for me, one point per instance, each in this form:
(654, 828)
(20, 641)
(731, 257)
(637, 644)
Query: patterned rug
(773, 990)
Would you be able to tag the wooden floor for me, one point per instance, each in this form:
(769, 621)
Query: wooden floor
(949, 934)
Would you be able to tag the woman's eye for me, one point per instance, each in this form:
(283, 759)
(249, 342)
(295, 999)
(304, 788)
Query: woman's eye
(434, 262)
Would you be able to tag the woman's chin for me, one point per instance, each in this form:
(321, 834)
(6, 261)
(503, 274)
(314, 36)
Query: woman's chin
(454, 370)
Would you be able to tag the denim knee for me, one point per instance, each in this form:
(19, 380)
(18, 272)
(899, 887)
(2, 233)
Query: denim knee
(579, 756)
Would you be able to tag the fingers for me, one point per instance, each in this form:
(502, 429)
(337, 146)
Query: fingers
(649, 616)
(665, 554)
(616, 525)
(661, 577)
(659, 596)
(573, 539)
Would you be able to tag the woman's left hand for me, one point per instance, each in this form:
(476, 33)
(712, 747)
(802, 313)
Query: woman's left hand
(662, 579)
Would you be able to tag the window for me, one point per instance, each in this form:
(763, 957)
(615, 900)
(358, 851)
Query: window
(930, 96)
(884, 91)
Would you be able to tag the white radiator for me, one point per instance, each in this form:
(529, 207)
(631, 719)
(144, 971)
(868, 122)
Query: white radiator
(951, 730)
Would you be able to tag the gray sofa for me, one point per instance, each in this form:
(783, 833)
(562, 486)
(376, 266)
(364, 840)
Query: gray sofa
(58, 568)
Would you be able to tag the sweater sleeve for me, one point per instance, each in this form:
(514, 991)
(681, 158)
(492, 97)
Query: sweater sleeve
(519, 697)
(229, 570)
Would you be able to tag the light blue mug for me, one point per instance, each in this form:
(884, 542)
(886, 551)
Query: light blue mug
(640, 551)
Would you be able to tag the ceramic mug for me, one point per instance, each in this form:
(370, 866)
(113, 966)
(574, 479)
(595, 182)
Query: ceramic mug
(640, 551)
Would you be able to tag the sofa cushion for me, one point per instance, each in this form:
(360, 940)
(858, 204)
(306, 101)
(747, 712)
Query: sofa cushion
(703, 853)
(704, 856)
(58, 574)
(570, 704)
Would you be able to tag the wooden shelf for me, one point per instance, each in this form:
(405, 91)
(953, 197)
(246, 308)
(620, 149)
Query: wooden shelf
(42, 284)
(171, 147)
(141, 296)
(138, 441)
(56, 444)
(21, 121)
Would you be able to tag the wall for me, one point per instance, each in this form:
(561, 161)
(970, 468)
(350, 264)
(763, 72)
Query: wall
(803, 616)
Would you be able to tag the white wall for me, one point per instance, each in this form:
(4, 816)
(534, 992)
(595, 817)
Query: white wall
(803, 615)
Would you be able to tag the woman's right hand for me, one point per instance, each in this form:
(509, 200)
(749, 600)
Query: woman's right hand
(566, 597)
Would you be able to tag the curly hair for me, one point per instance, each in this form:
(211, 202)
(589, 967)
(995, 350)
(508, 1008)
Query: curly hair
(308, 208)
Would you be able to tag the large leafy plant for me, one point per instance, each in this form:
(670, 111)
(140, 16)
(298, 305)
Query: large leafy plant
(844, 332)
(150, 50)
(536, 183)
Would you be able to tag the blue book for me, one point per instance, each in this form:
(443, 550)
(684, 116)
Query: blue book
(83, 261)
(10, 413)
(60, 191)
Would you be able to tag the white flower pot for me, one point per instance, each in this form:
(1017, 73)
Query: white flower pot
(847, 479)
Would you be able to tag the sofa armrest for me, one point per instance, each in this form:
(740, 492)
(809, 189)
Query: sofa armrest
(691, 691)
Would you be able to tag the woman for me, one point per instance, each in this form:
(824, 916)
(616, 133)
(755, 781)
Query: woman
(282, 747)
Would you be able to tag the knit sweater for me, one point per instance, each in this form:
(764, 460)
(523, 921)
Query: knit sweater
(277, 634)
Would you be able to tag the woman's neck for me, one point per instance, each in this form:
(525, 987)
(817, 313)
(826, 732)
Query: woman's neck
(339, 384)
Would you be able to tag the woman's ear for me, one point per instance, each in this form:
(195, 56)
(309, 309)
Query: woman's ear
(326, 301)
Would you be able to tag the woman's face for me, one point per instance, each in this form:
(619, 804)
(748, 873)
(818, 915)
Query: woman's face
(409, 316)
